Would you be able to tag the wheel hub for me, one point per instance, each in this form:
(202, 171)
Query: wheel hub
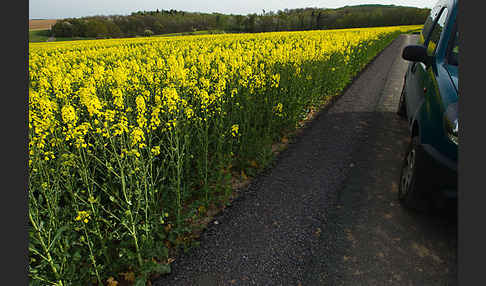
(407, 172)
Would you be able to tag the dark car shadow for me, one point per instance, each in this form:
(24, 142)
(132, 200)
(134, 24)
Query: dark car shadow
(368, 223)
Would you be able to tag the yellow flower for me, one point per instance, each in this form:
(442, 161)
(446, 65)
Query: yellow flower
(155, 150)
(109, 115)
(89, 99)
(171, 98)
(111, 281)
(137, 136)
(68, 114)
(83, 215)
(234, 92)
(234, 130)
(155, 120)
(140, 102)
(118, 98)
(275, 80)
(189, 113)
(134, 152)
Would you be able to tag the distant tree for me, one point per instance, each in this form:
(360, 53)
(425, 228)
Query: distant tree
(62, 28)
(113, 29)
(172, 21)
(318, 20)
(239, 23)
(250, 23)
(158, 28)
(96, 28)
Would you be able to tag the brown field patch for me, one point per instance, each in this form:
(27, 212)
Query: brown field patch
(41, 24)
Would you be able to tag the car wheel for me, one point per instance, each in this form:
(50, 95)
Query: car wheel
(413, 182)
(402, 109)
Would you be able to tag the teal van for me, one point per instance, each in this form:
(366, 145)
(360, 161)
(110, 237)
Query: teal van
(430, 102)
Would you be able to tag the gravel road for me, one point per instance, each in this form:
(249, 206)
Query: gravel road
(327, 213)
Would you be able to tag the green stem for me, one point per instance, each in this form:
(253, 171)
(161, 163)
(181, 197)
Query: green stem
(90, 193)
(178, 176)
(206, 143)
(93, 260)
(46, 251)
(133, 231)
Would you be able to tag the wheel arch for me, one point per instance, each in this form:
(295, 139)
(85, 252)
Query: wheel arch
(415, 130)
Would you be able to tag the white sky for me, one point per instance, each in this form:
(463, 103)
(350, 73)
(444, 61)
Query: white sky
(58, 9)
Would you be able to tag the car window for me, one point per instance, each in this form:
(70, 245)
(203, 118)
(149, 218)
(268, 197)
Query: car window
(436, 32)
(454, 55)
(429, 23)
(427, 27)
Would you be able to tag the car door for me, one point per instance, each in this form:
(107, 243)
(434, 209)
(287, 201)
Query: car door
(418, 76)
(436, 81)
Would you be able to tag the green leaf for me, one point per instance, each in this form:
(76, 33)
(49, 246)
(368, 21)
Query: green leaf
(77, 255)
(140, 281)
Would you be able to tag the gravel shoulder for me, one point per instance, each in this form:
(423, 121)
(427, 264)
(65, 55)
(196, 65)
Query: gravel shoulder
(327, 213)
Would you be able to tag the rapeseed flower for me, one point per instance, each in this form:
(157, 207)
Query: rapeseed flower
(68, 114)
(234, 130)
(137, 136)
(155, 150)
(83, 216)
(278, 109)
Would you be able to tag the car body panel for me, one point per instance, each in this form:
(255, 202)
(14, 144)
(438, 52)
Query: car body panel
(454, 74)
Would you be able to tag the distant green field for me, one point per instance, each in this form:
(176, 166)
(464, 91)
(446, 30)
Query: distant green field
(38, 35)
(43, 35)
(203, 32)
(60, 39)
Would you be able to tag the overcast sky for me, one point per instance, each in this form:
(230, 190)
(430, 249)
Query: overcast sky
(58, 9)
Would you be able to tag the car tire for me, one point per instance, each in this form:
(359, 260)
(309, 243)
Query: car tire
(402, 108)
(413, 178)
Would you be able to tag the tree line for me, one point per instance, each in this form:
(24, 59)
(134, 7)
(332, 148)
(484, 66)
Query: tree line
(172, 21)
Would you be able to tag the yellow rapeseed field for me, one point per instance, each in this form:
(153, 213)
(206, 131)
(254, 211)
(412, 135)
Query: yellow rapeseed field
(128, 138)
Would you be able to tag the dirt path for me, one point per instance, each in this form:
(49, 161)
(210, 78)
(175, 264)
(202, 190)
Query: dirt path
(326, 213)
